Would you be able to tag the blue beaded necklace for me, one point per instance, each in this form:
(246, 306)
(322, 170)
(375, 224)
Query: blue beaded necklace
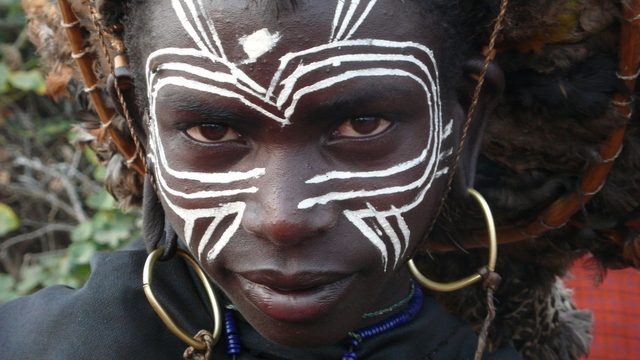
(357, 337)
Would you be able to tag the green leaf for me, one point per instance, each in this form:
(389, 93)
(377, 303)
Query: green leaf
(9, 221)
(81, 252)
(102, 220)
(111, 237)
(79, 274)
(4, 78)
(100, 173)
(101, 200)
(82, 232)
(53, 128)
(91, 157)
(31, 279)
(7, 284)
(52, 269)
(9, 3)
(28, 81)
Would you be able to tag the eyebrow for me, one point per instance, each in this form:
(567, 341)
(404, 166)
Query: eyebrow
(195, 104)
(340, 103)
(344, 102)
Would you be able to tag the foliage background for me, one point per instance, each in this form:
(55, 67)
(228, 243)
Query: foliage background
(54, 211)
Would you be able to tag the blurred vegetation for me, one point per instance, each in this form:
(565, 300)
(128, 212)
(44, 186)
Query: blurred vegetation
(54, 211)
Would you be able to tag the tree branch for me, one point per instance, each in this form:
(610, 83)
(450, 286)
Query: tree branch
(66, 183)
(35, 235)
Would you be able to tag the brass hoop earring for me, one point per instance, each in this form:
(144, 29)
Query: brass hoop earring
(471, 279)
(147, 277)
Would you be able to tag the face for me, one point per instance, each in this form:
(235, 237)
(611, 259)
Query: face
(301, 157)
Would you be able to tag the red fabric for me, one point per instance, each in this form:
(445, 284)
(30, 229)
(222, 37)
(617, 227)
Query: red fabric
(616, 311)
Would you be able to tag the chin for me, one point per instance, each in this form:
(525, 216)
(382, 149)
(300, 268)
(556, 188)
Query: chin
(303, 336)
(327, 329)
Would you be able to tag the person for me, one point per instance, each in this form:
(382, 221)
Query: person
(303, 153)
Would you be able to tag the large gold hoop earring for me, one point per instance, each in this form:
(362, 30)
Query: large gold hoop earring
(471, 279)
(147, 277)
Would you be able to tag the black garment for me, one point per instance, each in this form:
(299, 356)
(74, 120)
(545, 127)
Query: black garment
(109, 318)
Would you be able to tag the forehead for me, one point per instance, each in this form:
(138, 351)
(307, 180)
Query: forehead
(251, 32)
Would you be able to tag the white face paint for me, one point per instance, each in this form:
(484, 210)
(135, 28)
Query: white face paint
(277, 101)
(258, 44)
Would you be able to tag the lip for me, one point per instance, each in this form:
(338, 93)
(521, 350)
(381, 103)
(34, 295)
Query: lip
(296, 297)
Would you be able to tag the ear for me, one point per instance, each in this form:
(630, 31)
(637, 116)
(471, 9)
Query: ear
(490, 96)
(127, 99)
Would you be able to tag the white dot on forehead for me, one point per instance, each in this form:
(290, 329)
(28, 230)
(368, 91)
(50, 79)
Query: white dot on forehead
(258, 43)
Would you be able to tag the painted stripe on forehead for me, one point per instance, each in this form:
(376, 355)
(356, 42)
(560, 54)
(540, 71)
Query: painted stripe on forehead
(347, 19)
(188, 27)
(286, 59)
(190, 52)
(364, 15)
(213, 31)
(183, 82)
(291, 80)
(201, 36)
(349, 75)
(214, 76)
(336, 18)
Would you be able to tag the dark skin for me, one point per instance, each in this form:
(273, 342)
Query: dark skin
(364, 124)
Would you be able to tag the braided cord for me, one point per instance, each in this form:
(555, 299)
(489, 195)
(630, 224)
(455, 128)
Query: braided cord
(138, 155)
(489, 56)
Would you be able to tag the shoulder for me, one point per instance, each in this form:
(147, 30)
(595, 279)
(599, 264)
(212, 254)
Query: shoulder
(107, 318)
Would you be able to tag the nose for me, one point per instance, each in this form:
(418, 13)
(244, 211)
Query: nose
(272, 213)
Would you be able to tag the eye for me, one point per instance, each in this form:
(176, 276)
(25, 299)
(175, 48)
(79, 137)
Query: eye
(212, 133)
(361, 127)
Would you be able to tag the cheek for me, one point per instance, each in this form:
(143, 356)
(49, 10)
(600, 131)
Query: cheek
(395, 224)
(393, 208)
(421, 218)
(205, 229)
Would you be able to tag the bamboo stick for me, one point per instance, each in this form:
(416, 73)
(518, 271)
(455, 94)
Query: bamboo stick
(85, 60)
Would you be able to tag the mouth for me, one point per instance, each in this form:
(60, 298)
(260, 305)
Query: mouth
(297, 297)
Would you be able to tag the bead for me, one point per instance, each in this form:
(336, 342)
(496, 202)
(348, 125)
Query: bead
(349, 356)
(231, 334)
(414, 306)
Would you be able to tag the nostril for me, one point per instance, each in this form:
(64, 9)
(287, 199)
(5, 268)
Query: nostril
(288, 232)
(288, 229)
